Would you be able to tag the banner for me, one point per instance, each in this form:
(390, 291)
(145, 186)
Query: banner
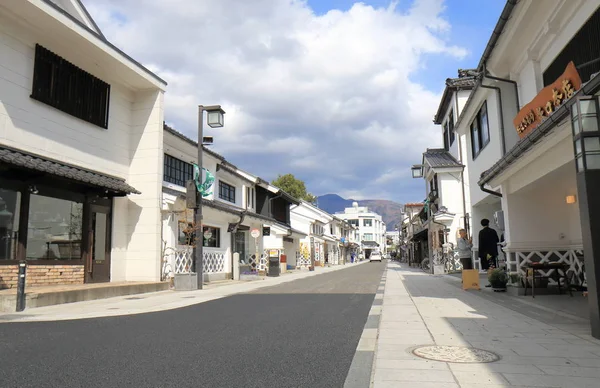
(207, 184)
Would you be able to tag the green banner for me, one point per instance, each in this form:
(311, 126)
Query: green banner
(207, 184)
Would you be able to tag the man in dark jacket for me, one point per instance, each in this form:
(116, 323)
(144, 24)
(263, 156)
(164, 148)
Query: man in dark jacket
(488, 240)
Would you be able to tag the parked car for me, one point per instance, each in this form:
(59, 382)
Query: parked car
(376, 256)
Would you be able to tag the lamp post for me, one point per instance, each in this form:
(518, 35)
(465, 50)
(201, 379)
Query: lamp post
(214, 119)
(586, 138)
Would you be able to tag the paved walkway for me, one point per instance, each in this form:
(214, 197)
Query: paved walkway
(156, 301)
(420, 309)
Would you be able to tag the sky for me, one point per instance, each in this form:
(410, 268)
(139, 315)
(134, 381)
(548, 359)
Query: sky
(337, 92)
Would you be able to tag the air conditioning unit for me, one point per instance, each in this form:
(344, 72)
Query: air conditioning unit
(499, 219)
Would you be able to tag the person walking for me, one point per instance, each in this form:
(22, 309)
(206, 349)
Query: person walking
(464, 249)
(488, 245)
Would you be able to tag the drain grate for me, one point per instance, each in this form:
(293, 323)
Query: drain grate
(455, 354)
(187, 297)
(113, 308)
(134, 298)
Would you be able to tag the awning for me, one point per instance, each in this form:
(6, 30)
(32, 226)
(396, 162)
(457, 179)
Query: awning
(25, 160)
(422, 235)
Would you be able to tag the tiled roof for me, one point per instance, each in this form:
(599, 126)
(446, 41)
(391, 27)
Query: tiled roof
(38, 163)
(461, 83)
(414, 204)
(439, 157)
(464, 81)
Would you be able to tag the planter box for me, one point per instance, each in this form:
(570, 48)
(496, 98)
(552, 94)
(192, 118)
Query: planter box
(520, 291)
(186, 281)
(439, 269)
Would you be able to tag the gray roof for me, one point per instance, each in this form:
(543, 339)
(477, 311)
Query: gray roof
(180, 135)
(439, 157)
(463, 82)
(39, 163)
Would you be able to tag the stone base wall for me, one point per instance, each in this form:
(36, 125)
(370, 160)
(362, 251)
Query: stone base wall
(42, 275)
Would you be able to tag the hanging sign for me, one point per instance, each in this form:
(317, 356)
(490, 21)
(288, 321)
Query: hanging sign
(547, 101)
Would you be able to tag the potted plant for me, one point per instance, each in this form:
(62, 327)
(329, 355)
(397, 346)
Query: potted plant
(498, 279)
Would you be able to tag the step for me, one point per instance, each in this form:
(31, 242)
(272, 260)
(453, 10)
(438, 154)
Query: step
(48, 296)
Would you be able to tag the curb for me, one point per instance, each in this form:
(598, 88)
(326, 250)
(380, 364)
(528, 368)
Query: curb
(174, 300)
(362, 368)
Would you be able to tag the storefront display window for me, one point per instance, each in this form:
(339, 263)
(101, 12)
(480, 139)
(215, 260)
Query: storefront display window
(55, 229)
(10, 202)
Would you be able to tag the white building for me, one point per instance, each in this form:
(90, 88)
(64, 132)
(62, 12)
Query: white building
(445, 172)
(371, 228)
(534, 174)
(80, 162)
(238, 202)
(317, 244)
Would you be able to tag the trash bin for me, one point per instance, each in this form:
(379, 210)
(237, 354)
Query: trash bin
(274, 269)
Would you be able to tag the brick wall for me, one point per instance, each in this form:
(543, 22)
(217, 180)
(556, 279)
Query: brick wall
(42, 275)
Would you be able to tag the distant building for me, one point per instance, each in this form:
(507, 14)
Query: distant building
(371, 228)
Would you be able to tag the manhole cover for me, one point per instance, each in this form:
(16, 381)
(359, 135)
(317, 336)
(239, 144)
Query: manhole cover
(113, 308)
(457, 354)
(187, 297)
(134, 298)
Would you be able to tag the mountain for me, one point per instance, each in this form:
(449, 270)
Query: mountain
(390, 211)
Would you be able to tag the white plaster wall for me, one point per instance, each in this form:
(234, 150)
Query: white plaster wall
(539, 215)
(463, 96)
(39, 128)
(492, 151)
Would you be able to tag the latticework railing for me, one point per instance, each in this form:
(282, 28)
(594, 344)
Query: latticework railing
(517, 261)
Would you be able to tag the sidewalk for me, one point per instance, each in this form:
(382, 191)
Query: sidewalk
(157, 301)
(420, 309)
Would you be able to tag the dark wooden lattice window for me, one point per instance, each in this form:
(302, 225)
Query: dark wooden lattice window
(177, 171)
(226, 192)
(66, 87)
(583, 50)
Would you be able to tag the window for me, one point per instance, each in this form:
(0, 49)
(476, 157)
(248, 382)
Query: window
(187, 236)
(451, 128)
(226, 192)
(583, 49)
(446, 137)
(177, 171)
(433, 184)
(353, 222)
(480, 131)
(317, 229)
(66, 87)
(55, 229)
(368, 237)
(250, 197)
(367, 222)
(211, 237)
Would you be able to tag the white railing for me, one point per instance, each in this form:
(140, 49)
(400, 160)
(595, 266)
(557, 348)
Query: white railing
(214, 262)
(182, 260)
(518, 259)
(261, 264)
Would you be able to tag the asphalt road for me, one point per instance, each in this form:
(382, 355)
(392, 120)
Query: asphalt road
(299, 334)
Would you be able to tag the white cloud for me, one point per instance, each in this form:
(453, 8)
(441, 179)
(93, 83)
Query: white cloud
(328, 98)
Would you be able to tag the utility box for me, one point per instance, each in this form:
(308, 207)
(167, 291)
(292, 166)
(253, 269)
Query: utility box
(274, 269)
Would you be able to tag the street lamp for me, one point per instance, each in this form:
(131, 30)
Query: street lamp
(214, 118)
(586, 144)
(417, 171)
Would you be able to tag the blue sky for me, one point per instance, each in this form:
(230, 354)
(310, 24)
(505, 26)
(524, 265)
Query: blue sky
(343, 100)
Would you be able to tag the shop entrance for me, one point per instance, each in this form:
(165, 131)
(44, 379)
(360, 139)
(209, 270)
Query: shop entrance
(98, 252)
